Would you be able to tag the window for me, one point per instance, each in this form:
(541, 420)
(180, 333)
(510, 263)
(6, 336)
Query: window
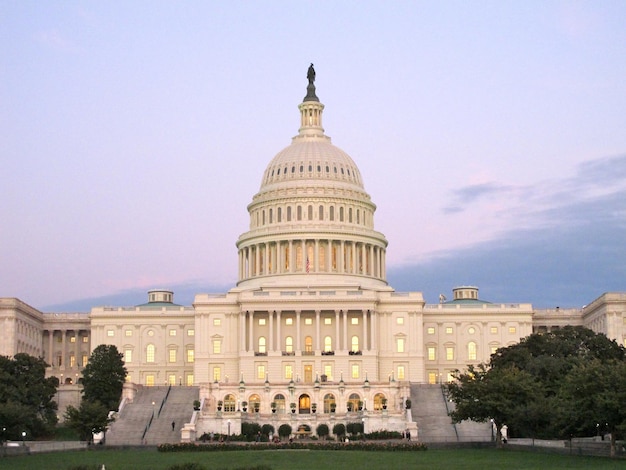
(431, 330)
(288, 321)
(329, 400)
(191, 355)
(85, 339)
(150, 333)
(85, 359)
(128, 356)
(448, 330)
(279, 399)
(328, 344)
(401, 375)
(355, 371)
(262, 345)
(449, 353)
(512, 330)
(261, 321)
(217, 374)
(217, 322)
(328, 371)
(328, 321)
(471, 351)
(128, 333)
(378, 401)
(171, 379)
(72, 361)
(432, 353)
(150, 380)
(494, 349)
(150, 353)
(354, 321)
(217, 346)
(494, 330)
(110, 333)
(355, 343)
(288, 372)
(353, 401)
(72, 339)
(400, 321)
(308, 321)
(229, 403)
(190, 380)
(289, 344)
(471, 330)
(191, 332)
(172, 332)
(308, 344)
(260, 371)
(400, 345)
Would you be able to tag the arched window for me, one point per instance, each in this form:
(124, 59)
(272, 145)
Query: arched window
(150, 353)
(288, 213)
(379, 400)
(279, 400)
(310, 212)
(289, 344)
(279, 214)
(308, 344)
(329, 399)
(299, 213)
(271, 216)
(229, 403)
(262, 345)
(349, 215)
(355, 343)
(320, 215)
(353, 402)
(331, 215)
(341, 214)
(255, 403)
(328, 344)
(471, 351)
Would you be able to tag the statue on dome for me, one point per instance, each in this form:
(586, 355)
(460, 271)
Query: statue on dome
(311, 74)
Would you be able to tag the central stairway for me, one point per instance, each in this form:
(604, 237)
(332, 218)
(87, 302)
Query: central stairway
(148, 418)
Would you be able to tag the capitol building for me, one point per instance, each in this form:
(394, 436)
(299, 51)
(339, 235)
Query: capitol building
(312, 327)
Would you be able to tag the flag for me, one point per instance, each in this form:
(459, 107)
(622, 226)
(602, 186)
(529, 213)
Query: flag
(308, 265)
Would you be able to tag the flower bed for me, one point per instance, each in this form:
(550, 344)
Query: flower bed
(360, 445)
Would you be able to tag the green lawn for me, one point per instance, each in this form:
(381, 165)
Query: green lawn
(479, 459)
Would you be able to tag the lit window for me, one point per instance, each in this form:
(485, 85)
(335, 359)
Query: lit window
(191, 355)
(85, 359)
(110, 333)
(288, 321)
(288, 372)
(432, 353)
(217, 322)
(328, 321)
(172, 332)
(354, 321)
(308, 321)
(400, 372)
(261, 321)
(128, 333)
(72, 339)
(289, 344)
(432, 377)
(448, 330)
(128, 355)
(150, 353)
(328, 344)
(494, 330)
(512, 330)
(191, 332)
(450, 353)
(217, 346)
(494, 349)
(400, 320)
(150, 380)
(150, 333)
(172, 355)
(85, 339)
(355, 343)
(400, 345)
(431, 330)
(308, 344)
(190, 380)
(262, 345)
(328, 371)
(217, 374)
(471, 330)
(260, 372)
(355, 371)
(471, 351)
(72, 361)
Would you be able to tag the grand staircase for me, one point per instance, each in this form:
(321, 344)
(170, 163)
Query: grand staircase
(148, 418)
(430, 411)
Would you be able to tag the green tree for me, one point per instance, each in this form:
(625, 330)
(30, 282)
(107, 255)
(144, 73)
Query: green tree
(250, 430)
(90, 417)
(104, 376)
(339, 430)
(284, 430)
(267, 429)
(322, 430)
(354, 428)
(594, 394)
(26, 396)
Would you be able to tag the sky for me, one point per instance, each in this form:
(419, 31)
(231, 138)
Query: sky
(491, 136)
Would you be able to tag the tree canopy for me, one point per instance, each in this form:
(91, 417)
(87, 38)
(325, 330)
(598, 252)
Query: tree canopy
(104, 376)
(26, 396)
(557, 384)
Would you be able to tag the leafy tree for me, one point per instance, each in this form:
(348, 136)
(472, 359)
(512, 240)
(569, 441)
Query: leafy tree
(284, 430)
(322, 430)
(103, 376)
(354, 428)
(26, 396)
(267, 429)
(250, 430)
(90, 417)
(594, 394)
(339, 430)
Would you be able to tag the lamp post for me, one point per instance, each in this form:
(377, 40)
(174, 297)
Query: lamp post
(23, 438)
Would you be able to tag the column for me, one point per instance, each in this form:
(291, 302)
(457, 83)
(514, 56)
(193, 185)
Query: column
(317, 330)
(251, 346)
(50, 348)
(374, 327)
(270, 346)
(298, 343)
(76, 348)
(290, 256)
(345, 331)
(336, 330)
(257, 259)
(365, 335)
(279, 341)
(317, 256)
(242, 328)
(341, 268)
(64, 348)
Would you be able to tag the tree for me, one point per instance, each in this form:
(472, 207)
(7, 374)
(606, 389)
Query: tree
(322, 430)
(250, 430)
(284, 430)
(594, 394)
(104, 376)
(339, 430)
(26, 396)
(90, 417)
(267, 429)
(354, 428)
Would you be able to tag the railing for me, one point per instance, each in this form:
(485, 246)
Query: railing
(445, 400)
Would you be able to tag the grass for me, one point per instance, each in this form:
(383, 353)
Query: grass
(469, 459)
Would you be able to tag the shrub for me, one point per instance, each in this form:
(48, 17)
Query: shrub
(339, 430)
(186, 466)
(267, 429)
(250, 430)
(284, 430)
(322, 430)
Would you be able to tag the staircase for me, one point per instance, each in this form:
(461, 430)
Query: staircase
(148, 419)
(430, 412)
